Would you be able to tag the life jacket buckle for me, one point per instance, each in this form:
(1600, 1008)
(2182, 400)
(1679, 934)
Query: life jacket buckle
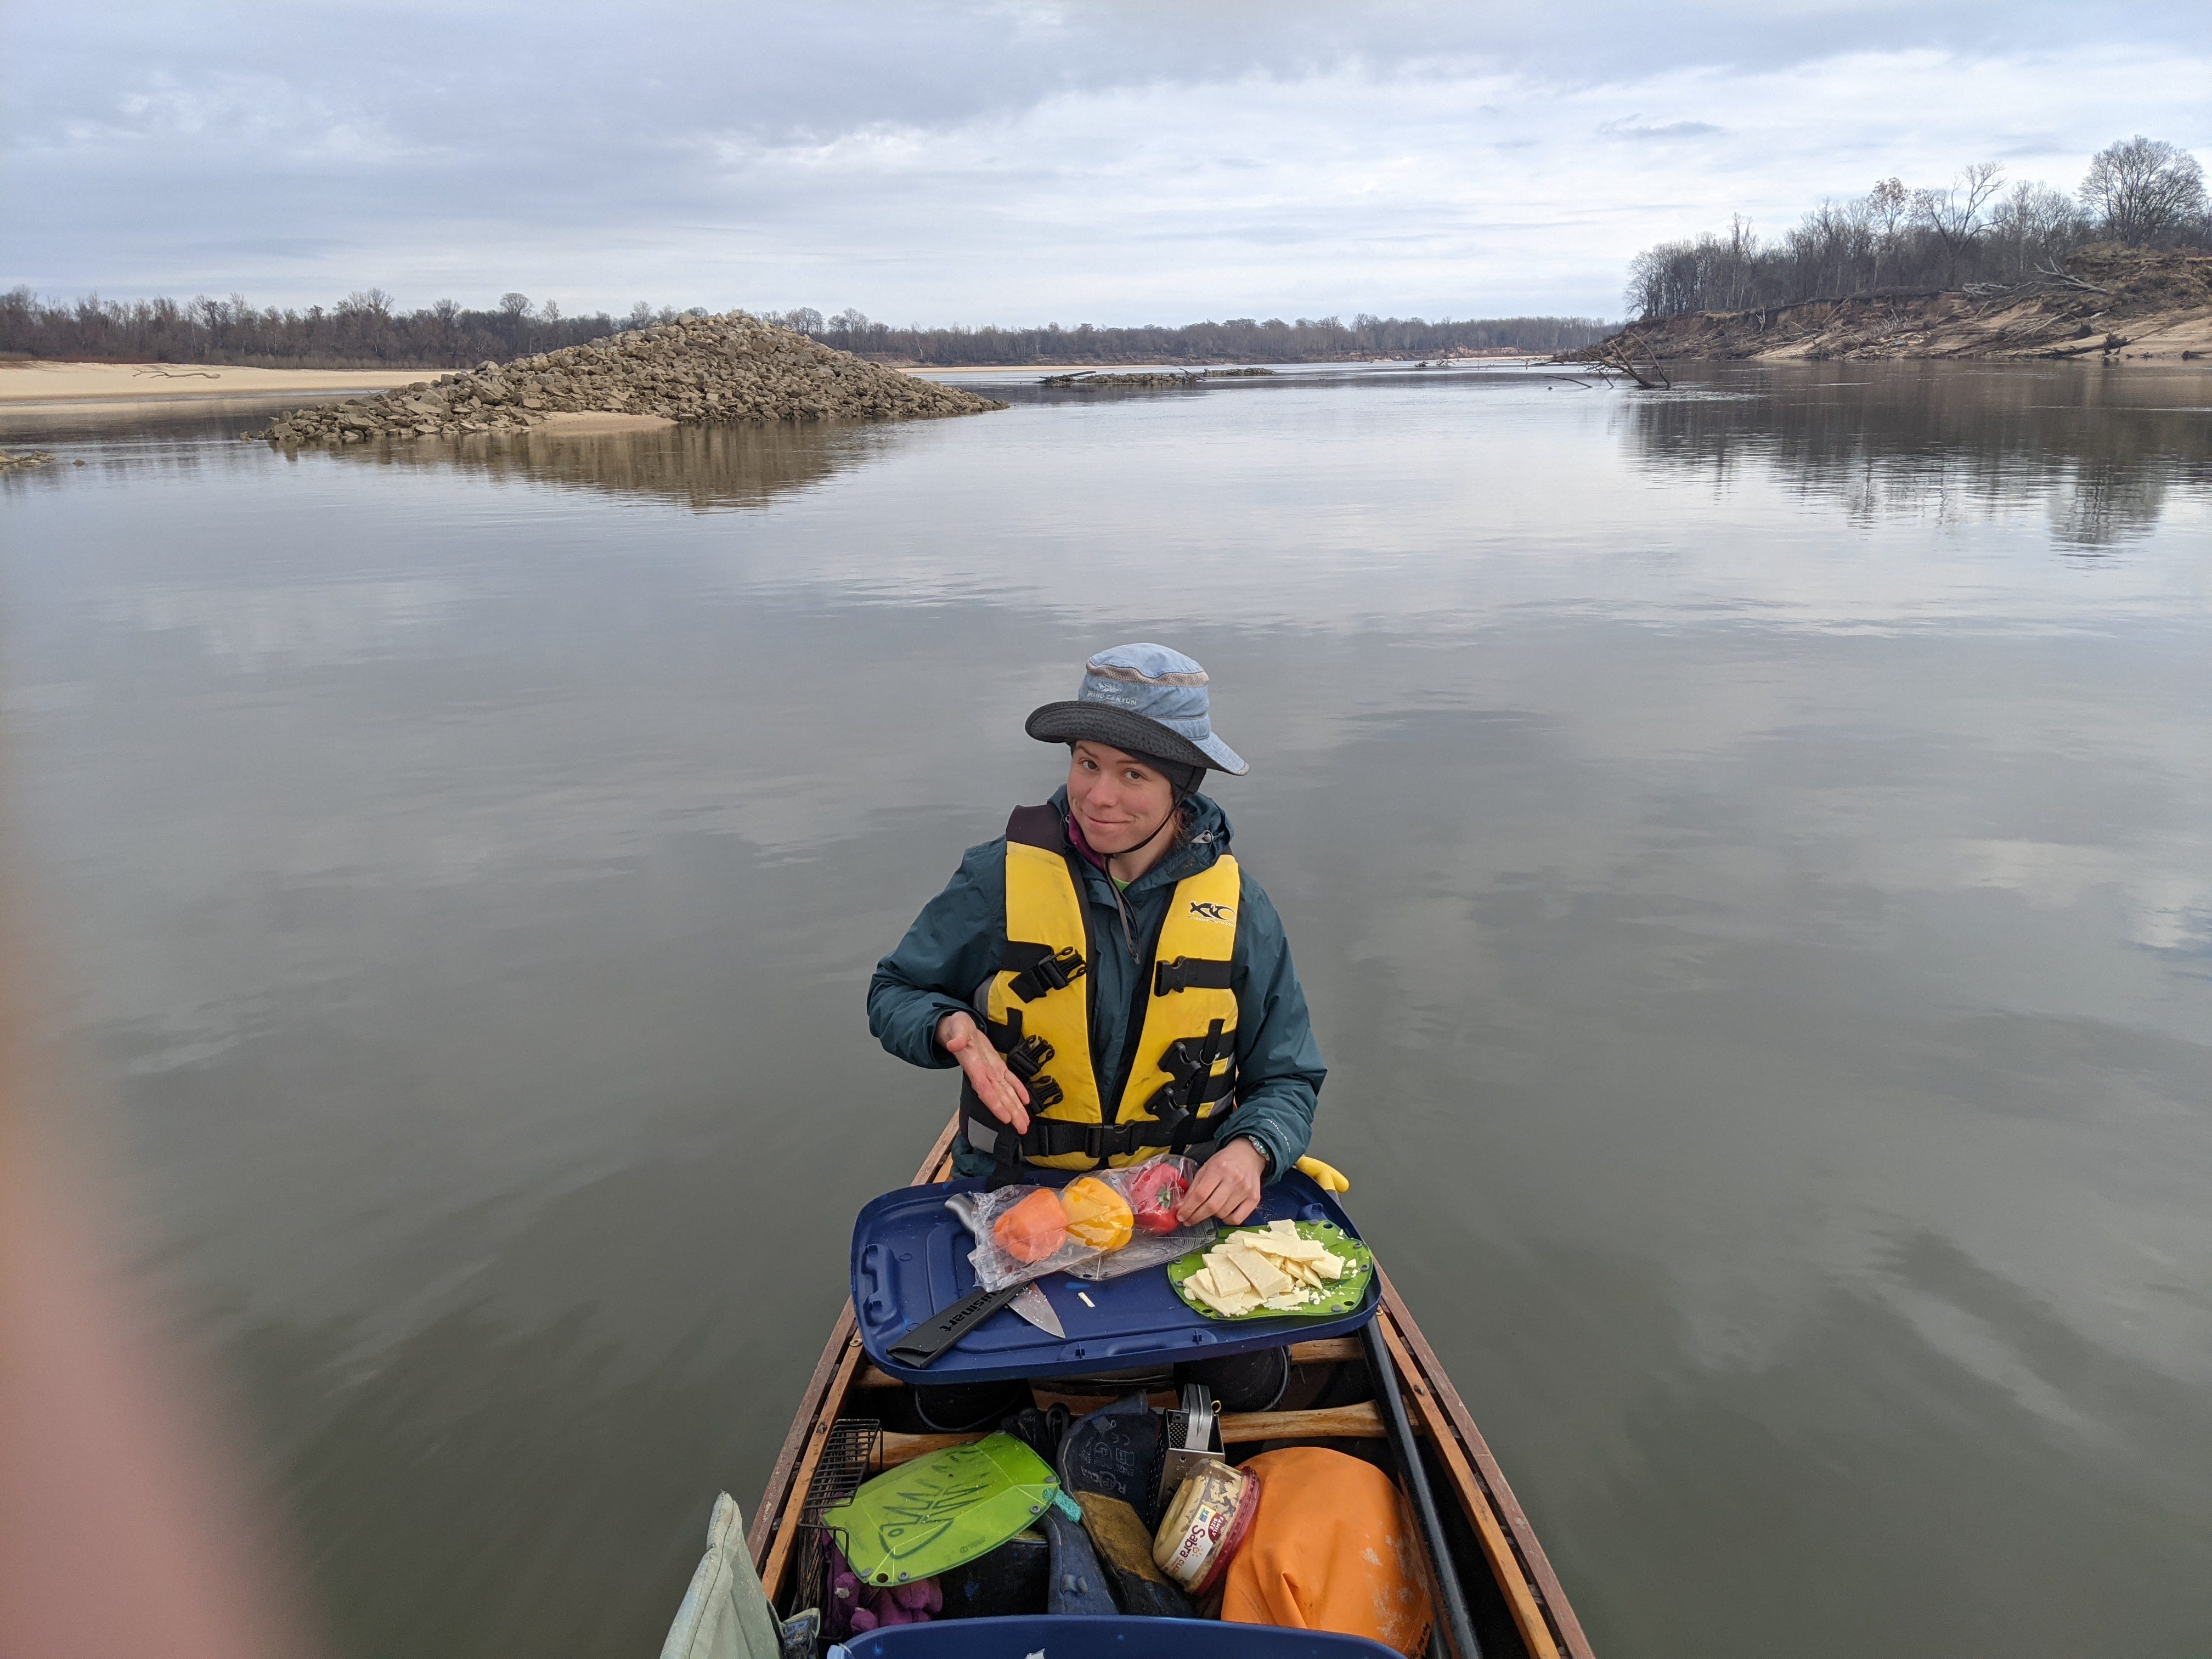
(1188, 1057)
(1189, 973)
(1058, 972)
(1029, 1057)
(1054, 973)
(1170, 1117)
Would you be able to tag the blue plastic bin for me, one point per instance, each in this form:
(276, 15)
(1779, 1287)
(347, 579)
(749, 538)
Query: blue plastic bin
(1069, 1638)
(910, 1261)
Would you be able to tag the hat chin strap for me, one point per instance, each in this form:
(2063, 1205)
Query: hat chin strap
(1174, 812)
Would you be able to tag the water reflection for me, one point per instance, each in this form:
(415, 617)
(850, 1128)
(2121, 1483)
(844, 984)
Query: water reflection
(2103, 448)
(1759, 934)
(708, 469)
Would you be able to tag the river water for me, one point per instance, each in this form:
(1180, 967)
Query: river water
(1749, 848)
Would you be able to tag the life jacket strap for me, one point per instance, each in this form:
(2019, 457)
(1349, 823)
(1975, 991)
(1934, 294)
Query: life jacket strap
(1189, 973)
(1051, 1137)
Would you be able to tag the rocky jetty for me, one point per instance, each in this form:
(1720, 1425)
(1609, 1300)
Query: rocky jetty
(694, 370)
(24, 462)
(1090, 380)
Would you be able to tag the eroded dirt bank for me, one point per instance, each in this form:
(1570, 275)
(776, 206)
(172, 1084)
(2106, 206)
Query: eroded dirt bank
(2107, 303)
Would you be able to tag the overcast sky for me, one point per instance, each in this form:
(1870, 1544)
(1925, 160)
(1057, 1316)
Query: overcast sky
(1018, 162)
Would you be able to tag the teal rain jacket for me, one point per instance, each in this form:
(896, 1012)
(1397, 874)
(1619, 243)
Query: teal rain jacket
(954, 945)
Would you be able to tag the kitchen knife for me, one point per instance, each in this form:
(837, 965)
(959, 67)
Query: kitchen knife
(1034, 1305)
(922, 1344)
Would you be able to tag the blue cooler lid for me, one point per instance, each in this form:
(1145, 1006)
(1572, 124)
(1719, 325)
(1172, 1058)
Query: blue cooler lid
(910, 1263)
(1072, 1636)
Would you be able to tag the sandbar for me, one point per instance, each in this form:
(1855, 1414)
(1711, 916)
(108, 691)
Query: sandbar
(43, 381)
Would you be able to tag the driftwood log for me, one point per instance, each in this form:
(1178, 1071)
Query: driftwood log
(1620, 353)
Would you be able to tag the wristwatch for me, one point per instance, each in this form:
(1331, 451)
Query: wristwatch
(1266, 1157)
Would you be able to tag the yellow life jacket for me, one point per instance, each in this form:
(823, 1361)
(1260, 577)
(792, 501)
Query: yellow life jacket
(1180, 1068)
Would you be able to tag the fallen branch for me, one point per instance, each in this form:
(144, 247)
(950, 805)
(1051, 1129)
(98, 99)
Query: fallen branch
(1617, 354)
(2068, 279)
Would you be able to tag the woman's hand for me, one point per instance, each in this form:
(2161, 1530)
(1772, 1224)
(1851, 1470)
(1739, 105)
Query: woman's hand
(1227, 1185)
(998, 1089)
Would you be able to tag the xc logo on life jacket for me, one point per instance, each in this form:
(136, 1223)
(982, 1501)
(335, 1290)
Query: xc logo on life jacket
(1210, 910)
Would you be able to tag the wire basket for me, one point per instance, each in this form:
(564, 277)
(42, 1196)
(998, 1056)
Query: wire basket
(852, 1453)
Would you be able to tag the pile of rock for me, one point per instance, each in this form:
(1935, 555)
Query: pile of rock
(733, 368)
(1089, 380)
(24, 462)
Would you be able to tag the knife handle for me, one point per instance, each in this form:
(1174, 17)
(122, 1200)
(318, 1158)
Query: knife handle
(922, 1344)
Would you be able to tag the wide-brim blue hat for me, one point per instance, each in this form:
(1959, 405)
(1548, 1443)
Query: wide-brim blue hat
(1143, 699)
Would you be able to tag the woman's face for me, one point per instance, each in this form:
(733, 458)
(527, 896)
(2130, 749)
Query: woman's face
(1117, 800)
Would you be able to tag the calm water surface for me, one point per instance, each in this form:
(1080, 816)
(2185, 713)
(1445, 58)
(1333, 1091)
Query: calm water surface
(1749, 850)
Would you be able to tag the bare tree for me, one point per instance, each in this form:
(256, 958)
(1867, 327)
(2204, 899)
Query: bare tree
(2031, 228)
(2144, 192)
(1955, 214)
(1887, 205)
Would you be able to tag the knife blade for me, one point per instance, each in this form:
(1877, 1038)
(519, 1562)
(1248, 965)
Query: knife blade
(1031, 1301)
(1034, 1305)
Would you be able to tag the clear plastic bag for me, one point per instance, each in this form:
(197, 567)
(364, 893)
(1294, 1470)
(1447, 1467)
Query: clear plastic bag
(1021, 1234)
(1146, 1250)
(1154, 1190)
(1100, 1225)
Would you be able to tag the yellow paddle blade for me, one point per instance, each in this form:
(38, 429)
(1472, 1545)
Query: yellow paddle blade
(1329, 1179)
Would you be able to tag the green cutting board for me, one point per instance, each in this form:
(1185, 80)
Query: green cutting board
(942, 1511)
(1340, 1298)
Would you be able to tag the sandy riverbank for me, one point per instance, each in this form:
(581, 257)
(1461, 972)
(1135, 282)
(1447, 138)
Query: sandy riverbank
(38, 381)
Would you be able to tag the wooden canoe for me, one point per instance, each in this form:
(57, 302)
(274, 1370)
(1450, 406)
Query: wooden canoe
(1516, 1608)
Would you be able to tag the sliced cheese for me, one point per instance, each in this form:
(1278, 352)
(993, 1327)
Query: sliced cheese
(1230, 1306)
(1226, 1277)
(1327, 1267)
(1286, 1249)
(1265, 1276)
(1288, 1301)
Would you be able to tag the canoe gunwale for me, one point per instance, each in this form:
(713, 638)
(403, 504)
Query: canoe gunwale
(1509, 1549)
(844, 1342)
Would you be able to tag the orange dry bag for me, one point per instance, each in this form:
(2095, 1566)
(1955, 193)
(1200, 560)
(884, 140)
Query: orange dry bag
(1331, 1548)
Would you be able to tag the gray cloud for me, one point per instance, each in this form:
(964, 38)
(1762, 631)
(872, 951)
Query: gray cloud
(1629, 127)
(1009, 160)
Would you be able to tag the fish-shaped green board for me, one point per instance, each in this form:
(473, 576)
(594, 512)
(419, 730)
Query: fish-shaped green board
(943, 1510)
(1331, 1302)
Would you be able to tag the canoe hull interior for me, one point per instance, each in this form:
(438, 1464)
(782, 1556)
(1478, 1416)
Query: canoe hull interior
(1516, 1603)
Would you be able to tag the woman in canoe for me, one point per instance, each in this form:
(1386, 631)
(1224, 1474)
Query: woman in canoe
(1110, 982)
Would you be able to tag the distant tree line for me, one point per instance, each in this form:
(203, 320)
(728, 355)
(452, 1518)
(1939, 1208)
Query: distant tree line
(2141, 192)
(362, 331)
(1239, 340)
(366, 331)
